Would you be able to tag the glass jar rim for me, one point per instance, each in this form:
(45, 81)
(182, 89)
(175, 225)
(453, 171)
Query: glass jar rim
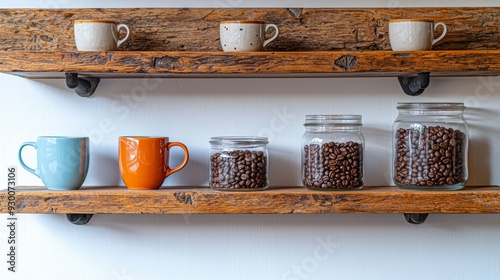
(238, 140)
(339, 120)
(422, 106)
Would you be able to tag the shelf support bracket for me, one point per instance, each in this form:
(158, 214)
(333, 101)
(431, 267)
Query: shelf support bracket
(414, 86)
(84, 87)
(416, 219)
(79, 219)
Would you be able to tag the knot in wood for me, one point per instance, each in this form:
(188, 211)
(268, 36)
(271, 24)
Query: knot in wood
(295, 12)
(167, 62)
(184, 197)
(323, 200)
(347, 62)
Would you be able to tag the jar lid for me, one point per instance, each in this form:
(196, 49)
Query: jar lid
(238, 140)
(431, 106)
(340, 120)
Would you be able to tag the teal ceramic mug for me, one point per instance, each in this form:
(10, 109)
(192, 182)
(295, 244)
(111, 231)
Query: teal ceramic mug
(62, 162)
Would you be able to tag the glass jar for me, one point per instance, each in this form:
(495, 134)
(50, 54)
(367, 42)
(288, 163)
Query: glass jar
(430, 146)
(238, 163)
(332, 155)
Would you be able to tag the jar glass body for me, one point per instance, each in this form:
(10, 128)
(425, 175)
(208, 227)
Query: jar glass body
(332, 152)
(238, 163)
(430, 143)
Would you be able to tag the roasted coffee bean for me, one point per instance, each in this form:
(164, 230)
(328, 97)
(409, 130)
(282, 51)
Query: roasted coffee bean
(333, 165)
(238, 169)
(431, 156)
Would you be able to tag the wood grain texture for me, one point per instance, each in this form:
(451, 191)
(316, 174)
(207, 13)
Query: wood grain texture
(282, 200)
(159, 29)
(486, 62)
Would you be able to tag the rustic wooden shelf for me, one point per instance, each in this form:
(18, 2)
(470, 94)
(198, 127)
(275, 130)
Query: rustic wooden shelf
(83, 70)
(276, 200)
(133, 64)
(313, 42)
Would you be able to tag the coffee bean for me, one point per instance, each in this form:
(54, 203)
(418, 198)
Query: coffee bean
(440, 153)
(238, 169)
(333, 165)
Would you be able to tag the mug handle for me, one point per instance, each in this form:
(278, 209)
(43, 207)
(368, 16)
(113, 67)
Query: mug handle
(270, 25)
(442, 35)
(186, 158)
(124, 26)
(19, 155)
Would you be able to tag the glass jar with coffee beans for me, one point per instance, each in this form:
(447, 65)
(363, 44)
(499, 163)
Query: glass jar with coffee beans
(332, 154)
(430, 146)
(238, 163)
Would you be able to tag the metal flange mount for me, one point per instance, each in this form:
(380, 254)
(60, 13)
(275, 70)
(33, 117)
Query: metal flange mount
(79, 219)
(415, 85)
(84, 87)
(416, 219)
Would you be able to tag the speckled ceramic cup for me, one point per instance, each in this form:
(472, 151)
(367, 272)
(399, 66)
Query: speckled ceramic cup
(245, 35)
(99, 35)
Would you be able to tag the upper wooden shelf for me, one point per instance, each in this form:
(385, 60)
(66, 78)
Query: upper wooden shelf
(119, 64)
(278, 200)
(313, 42)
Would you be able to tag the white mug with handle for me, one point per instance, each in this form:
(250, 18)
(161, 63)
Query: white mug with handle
(99, 35)
(413, 34)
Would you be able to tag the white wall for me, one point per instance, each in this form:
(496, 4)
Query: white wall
(126, 247)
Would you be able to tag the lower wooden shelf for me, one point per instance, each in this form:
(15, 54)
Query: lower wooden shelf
(83, 70)
(140, 64)
(275, 200)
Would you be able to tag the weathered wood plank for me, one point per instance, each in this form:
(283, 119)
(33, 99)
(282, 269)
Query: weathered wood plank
(282, 200)
(159, 29)
(190, 63)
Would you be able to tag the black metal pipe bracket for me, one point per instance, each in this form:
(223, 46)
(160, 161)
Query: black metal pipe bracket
(416, 219)
(415, 85)
(84, 87)
(79, 219)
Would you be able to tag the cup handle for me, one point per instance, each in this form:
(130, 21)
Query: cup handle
(270, 25)
(19, 155)
(180, 166)
(124, 26)
(442, 35)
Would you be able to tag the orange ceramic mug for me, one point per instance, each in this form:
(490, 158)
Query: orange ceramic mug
(143, 161)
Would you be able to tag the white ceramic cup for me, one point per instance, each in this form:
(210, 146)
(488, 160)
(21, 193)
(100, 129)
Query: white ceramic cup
(245, 35)
(413, 35)
(99, 35)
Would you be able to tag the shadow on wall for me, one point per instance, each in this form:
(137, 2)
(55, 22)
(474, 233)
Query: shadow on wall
(104, 169)
(378, 155)
(136, 90)
(129, 224)
(195, 172)
(284, 167)
(480, 138)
